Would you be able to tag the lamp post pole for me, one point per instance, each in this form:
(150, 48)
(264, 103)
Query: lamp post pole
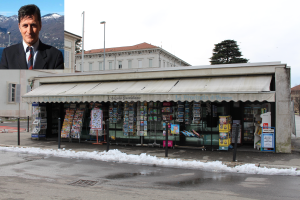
(103, 22)
(82, 50)
(8, 38)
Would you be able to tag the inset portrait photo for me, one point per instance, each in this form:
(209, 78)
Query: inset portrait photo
(32, 34)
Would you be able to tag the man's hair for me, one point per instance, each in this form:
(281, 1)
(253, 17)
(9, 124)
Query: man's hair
(29, 10)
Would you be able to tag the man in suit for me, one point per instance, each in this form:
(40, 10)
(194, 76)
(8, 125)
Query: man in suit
(31, 53)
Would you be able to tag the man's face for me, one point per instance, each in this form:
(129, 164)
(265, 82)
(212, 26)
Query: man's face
(30, 27)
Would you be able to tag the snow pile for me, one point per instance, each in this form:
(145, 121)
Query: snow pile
(117, 156)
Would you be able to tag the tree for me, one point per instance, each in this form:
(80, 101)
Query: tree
(78, 46)
(226, 52)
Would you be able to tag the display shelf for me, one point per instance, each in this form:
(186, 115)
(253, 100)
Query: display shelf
(39, 121)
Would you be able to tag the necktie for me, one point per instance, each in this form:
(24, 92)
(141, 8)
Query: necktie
(30, 58)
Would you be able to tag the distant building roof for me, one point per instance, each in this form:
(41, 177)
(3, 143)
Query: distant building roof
(114, 49)
(72, 34)
(296, 88)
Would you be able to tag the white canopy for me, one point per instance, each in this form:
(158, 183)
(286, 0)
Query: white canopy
(245, 88)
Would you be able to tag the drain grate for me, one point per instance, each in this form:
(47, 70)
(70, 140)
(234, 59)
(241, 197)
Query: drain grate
(84, 183)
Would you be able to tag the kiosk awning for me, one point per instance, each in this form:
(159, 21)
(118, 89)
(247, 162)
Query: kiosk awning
(246, 88)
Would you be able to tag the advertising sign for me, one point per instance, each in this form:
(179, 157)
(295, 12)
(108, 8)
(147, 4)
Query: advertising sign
(96, 119)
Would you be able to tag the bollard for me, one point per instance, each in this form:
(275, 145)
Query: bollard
(107, 135)
(28, 124)
(235, 142)
(59, 133)
(19, 131)
(167, 139)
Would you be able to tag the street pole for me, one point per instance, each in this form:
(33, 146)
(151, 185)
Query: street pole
(27, 123)
(235, 142)
(19, 131)
(103, 22)
(8, 38)
(82, 49)
(59, 134)
(107, 135)
(167, 139)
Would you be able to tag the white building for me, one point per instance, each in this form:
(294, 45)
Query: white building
(69, 51)
(142, 55)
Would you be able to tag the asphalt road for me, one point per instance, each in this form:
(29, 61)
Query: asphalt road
(15, 124)
(28, 176)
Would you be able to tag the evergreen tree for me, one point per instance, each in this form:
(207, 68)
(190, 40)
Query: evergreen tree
(78, 46)
(226, 52)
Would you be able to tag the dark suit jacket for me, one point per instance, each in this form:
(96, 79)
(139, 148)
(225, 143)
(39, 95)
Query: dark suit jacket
(48, 57)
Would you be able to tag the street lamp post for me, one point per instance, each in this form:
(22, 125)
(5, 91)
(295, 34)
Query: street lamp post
(82, 49)
(8, 38)
(103, 22)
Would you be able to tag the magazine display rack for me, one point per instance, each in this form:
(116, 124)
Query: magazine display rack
(142, 121)
(77, 124)
(154, 121)
(39, 122)
(67, 124)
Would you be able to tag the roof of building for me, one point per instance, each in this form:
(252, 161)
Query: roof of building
(173, 69)
(72, 34)
(114, 49)
(295, 88)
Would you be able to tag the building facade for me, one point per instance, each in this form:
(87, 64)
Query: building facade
(142, 55)
(192, 98)
(69, 51)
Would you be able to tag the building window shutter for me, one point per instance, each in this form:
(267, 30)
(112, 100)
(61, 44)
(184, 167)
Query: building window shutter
(66, 54)
(91, 66)
(129, 64)
(9, 92)
(110, 65)
(140, 64)
(18, 93)
(150, 62)
(100, 65)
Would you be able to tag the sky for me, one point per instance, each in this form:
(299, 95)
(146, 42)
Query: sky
(11, 7)
(265, 30)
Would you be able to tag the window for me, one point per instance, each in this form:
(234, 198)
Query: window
(91, 66)
(167, 64)
(164, 64)
(140, 64)
(150, 62)
(100, 66)
(120, 64)
(110, 65)
(129, 64)
(159, 63)
(14, 93)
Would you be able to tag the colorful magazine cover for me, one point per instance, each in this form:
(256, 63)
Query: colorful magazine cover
(175, 129)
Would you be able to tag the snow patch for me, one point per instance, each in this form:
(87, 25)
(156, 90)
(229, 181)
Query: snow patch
(118, 156)
(52, 16)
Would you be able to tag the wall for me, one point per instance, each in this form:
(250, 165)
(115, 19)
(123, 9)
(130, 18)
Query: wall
(69, 48)
(22, 77)
(283, 115)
